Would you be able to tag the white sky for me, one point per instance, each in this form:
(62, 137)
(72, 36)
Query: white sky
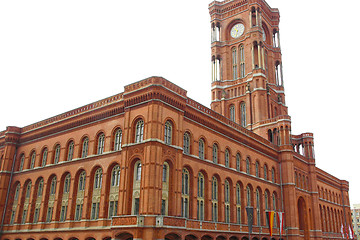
(59, 55)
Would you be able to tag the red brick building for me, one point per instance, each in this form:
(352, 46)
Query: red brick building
(152, 163)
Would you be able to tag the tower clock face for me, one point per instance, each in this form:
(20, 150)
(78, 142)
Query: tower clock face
(237, 30)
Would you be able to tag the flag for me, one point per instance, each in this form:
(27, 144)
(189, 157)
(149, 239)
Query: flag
(351, 232)
(280, 218)
(342, 231)
(270, 218)
(250, 214)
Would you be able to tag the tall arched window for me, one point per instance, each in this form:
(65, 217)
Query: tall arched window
(265, 172)
(242, 61)
(247, 165)
(40, 188)
(227, 201)
(80, 196)
(139, 131)
(165, 189)
(257, 166)
(15, 203)
(65, 198)
(243, 114)
(214, 199)
(33, 157)
(234, 62)
(44, 157)
(186, 143)
(238, 203)
(26, 203)
(215, 153)
(70, 151)
(51, 200)
(117, 140)
(273, 175)
(266, 199)
(100, 143)
(232, 113)
(258, 214)
(85, 147)
(57, 154)
(200, 197)
(274, 207)
(95, 207)
(168, 133)
(248, 196)
(22, 160)
(185, 193)
(114, 191)
(136, 188)
(201, 149)
(238, 159)
(227, 158)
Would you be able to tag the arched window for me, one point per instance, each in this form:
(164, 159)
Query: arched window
(215, 153)
(238, 203)
(70, 154)
(53, 186)
(168, 133)
(139, 131)
(227, 158)
(44, 157)
(274, 207)
(26, 203)
(165, 189)
(95, 207)
(33, 157)
(85, 147)
(201, 149)
(238, 159)
(57, 154)
(186, 143)
(273, 175)
(247, 165)
(65, 198)
(185, 193)
(232, 113)
(114, 191)
(22, 160)
(258, 217)
(257, 166)
(138, 171)
(248, 196)
(243, 114)
(67, 183)
(234, 62)
(227, 201)
(51, 200)
(214, 199)
(117, 140)
(98, 178)
(242, 61)
(200, 197)
(266, 199)
(100, 143)
(80, 196)
(15, 203)
(265, 172)
(115, 176)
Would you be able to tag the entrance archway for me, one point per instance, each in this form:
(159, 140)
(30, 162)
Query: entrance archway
(125, 236)
(302, 217)
(172, 236)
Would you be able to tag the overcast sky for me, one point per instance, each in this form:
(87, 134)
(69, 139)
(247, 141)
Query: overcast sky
(59, 55)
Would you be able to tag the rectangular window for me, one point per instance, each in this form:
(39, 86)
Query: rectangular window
(23, 219)
(95, 211)
(163, 207)
(136, 206)
(12, 218)
(49, 214)
(36, 215)
(63, 213)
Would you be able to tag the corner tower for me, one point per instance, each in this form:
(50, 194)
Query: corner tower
(247, 81)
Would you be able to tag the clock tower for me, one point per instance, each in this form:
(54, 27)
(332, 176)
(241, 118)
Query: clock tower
(247, 81)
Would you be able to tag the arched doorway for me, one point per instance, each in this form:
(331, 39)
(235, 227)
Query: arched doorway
(190, 237)
(125, 236)
(172, 236)
(302, 218)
